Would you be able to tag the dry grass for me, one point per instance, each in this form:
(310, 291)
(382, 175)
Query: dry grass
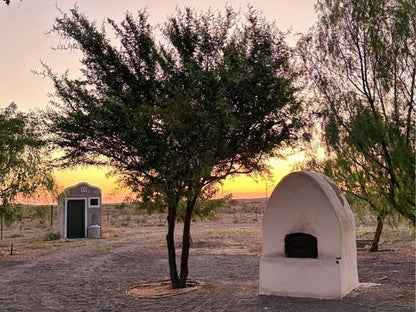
(37, 244)
(242, 219)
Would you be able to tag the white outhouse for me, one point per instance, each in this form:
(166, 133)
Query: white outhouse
(309, 244)
(79, 211)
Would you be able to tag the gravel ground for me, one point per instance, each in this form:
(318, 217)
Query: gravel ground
(97, 274)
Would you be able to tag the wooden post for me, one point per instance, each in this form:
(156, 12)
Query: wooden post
(51, 218)
(1, 228)
(11, 250)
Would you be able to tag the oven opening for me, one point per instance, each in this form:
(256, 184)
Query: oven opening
(301, 245)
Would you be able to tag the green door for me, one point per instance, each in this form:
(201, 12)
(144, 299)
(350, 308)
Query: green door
(75, 216)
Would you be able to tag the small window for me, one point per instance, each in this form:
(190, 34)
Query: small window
(84, 189)
(94, 202)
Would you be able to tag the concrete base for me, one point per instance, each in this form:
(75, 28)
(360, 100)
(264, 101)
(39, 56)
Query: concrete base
(304, 277)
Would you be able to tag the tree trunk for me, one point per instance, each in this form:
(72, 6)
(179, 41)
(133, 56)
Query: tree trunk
(170, 239)
(186, 243)
(377, 234)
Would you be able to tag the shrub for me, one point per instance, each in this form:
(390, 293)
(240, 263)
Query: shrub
(51, 236)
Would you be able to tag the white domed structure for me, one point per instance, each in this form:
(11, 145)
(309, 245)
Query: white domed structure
(309, 244)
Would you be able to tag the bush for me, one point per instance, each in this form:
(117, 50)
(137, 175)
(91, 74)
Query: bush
(51, 236)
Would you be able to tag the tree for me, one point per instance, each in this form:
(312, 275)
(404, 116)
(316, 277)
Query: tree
(214, 99)
(361, 60)
(206, 207)
(23, 169)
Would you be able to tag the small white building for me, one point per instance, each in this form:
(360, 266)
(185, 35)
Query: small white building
(79, 211)
(309, 244)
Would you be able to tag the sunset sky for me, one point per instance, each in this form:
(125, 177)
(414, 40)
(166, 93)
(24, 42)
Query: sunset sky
(24, 43)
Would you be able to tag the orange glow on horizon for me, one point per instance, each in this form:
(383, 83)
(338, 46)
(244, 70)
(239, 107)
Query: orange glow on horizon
(95, 176)
(239, 187)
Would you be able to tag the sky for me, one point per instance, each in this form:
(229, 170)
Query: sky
(25, 42)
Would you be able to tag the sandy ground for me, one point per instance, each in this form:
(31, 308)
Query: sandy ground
(99, 274)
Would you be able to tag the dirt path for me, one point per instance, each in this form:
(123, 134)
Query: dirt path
(96, 275)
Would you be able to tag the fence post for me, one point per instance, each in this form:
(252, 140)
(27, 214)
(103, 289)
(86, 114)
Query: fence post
(51, 218)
